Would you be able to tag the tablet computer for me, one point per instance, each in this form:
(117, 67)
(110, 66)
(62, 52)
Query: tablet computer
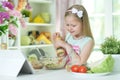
(13, 62)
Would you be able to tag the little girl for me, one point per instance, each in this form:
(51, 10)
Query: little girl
(77, 41)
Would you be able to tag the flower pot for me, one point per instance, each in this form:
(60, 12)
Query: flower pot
(116, 58)
(117, 62)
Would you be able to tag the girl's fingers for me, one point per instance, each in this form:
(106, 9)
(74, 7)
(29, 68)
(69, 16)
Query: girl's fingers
(57, 34)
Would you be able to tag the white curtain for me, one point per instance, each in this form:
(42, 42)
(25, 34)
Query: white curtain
(61, 7)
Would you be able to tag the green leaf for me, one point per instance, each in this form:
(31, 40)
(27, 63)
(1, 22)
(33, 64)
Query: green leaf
(0, 33)
(4, 28)
(14, 22)
(2, 9)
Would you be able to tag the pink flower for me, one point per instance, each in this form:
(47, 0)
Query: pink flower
(15, 13)
(22, 22)
(13, 29)
(4, 16)
(8, 5)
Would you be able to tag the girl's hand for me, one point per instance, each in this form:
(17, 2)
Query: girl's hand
(59, 43)
(55, 35)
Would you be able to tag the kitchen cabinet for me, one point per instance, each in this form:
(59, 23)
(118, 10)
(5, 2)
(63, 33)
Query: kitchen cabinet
(38, 7)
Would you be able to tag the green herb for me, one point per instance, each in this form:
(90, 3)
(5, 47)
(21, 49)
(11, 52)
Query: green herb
(25, 13)
(110, 46)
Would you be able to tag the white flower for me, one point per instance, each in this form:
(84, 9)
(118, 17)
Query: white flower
(75, 11)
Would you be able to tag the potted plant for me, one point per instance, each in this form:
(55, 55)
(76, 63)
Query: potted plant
(111, 45)
(26, 14)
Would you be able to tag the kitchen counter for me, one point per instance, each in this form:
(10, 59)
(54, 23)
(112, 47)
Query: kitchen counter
(60, 75)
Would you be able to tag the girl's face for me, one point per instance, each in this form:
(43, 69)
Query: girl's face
(74, 26)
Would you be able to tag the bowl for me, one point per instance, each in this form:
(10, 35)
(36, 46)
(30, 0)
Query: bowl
(53, 63)
(37, 64)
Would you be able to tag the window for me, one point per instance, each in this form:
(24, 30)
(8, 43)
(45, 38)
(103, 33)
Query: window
(116, 18)
(104, 18)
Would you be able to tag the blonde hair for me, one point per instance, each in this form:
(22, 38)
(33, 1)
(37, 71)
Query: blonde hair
(84, 19)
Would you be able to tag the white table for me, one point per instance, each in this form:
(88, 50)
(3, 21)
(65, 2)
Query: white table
(60, 75)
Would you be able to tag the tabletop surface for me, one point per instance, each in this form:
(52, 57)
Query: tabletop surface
(61, 75)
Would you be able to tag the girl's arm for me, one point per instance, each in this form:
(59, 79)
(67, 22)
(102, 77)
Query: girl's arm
(74, 57)
(85, 53)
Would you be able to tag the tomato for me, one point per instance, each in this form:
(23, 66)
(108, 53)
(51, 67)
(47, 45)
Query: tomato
(82, 69)
(74, 68)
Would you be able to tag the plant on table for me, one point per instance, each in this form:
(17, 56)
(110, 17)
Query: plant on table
(111, 45)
